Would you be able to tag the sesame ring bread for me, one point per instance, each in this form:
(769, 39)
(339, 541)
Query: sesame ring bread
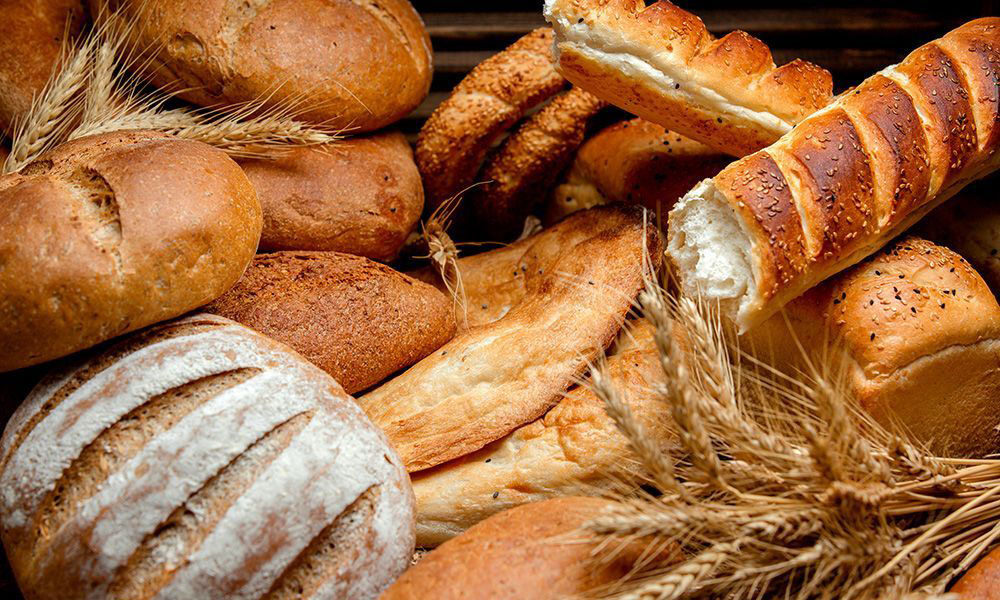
(495, 377)
(574, 449)
(524, 168)
(635, 162)
(659, 62)
(845, 181)
(110, 233)
(199, 459)
(494, 96)
(916, 331)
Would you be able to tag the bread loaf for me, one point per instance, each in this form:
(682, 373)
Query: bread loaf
(198, 459)
(530, 552)
(495, 377)
(339, 58)
(635, 162)
(844, 181)
(361, 196)
(32, 35)
(110, 233)
(574, 449)
(660, 63)
(356, 319)
(970, 225)
(982, 582)
(916, 331)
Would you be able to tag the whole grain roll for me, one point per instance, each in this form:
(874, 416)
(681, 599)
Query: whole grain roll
(107, 234)
(32, 33)
(982, 582)
(356, 319)
(356, 64)
(198, 459)
(361, 196)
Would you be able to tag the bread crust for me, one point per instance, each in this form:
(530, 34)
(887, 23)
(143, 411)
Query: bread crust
(495, 377)
(339, 56)
(201, 441)
(726, 92)
(361, 196)
(40, 26)
(105, 235)
(982, 581)
(358, 320)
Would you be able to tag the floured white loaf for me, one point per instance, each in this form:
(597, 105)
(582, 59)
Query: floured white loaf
(198, 459)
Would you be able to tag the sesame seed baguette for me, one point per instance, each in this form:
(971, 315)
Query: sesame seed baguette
(661, 63)
(845, 181)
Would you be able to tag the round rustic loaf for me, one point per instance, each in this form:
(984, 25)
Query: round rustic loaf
(107, 234)
(198, 459)
(356, 64)
(360, 196)
(356, 319)
(31, 40)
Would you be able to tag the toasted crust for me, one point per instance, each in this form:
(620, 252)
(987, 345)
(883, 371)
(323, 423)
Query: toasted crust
(107, 234)
(523, 170)
(361, 196)
(903, 320)
(635, 162)
(358, 320)
(341, 55)
(660, 63)
(982, 582)
(498, 376)
(574, 448)
(494, 96)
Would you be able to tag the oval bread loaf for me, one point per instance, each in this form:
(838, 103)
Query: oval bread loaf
(341, 57)
(361, 196)
(198, 459)
(358, 320)
(107, 234)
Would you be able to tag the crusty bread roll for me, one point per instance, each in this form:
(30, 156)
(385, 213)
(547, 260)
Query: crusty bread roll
(107, 234)
(198, 459)
(532, 552)
(917, 333)
(635, 162)
(659, 62)
(845, 181)
(356, 319)
(970, 225)
(982, 582)
(355, 64)
(32, 34)
(495, 377)
(574, 449)
(361, 196)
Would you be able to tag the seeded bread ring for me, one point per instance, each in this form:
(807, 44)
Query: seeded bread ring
(491, 99)
(522, 171)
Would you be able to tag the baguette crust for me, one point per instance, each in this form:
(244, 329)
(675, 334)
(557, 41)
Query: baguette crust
(105, 235)
(454, 141)
(198, 458)
(661, 63)
(358, 320)
(498, 376)
(854, 183)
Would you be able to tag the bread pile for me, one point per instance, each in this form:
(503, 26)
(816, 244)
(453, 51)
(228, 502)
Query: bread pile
(264, 374)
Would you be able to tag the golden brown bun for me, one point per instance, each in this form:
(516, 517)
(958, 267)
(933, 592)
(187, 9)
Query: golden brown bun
(919, 332)
(107, 234)
(660, 63)
(355, 64)
(635, 162)
(529, 552)
(982, 582)
(970, 225)
(356, 319)
(493, 97)
(198, 459)
(495, 377)
(32, 33)
(361, 196)
(574, 449)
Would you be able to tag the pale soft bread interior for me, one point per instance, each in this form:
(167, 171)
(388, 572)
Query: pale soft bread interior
(711, 249)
